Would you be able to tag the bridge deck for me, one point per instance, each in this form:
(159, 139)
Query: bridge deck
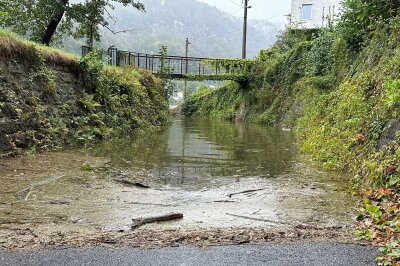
(178, 67)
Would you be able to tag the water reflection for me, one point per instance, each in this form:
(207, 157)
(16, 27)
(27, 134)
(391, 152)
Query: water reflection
(202, 153)
(192, 166)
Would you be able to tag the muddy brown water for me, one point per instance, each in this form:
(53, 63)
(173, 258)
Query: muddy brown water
(191, 167)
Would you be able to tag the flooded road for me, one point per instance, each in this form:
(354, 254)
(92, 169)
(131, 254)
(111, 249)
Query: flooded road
(221, 176)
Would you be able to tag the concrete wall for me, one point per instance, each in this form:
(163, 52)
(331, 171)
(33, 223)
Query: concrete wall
(320, 9)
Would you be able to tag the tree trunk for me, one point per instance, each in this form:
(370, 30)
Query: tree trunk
(91, 36)
(53, 24)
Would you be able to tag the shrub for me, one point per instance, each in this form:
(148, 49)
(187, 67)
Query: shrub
(359, 16)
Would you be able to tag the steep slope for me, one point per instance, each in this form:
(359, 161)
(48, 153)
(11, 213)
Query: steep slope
(345, 107)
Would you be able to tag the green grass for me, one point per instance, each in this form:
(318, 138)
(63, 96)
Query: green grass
(14, 46)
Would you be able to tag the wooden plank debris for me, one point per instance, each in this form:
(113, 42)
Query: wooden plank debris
(245, 191)
(137, 222)
(255, 218)
(130, 183)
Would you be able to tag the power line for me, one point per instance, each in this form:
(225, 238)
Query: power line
(226, 33)
(259, 22)
(218, 24)
(265, 20)
(236, 3)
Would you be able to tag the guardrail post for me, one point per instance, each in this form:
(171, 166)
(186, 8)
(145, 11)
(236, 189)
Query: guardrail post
(181, 66)
(199, 67)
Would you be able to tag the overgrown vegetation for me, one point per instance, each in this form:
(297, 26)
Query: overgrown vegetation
(124, 98)
(222, 103)
(360, 17)
(165, 73)
(50, 99)
(340, 91)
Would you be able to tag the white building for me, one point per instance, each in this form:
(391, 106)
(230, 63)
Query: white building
(312, 14)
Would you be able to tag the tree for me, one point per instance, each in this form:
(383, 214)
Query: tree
(165, 72)
(42, 19)
(359, 15)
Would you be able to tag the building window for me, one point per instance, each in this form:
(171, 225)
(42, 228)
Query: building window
(307, 12)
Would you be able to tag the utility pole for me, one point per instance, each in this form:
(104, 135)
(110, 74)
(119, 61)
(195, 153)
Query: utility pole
(244, 46)
(187, 54)
(185, 91)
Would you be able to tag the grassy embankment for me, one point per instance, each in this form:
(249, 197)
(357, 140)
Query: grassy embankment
(344, 106)
(49, 98)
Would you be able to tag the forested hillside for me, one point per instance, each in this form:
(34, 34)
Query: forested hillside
(170, 22)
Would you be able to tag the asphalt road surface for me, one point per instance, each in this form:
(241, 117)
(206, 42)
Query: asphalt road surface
(323, 254)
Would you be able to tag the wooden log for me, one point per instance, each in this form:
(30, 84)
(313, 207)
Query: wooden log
(245, 191)
(137, 222)
(130, 183)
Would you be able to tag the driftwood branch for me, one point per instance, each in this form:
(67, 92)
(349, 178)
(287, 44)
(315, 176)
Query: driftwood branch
(130, 183)
(255, 219)
(162, 218)
(149, 204)
(245, 191)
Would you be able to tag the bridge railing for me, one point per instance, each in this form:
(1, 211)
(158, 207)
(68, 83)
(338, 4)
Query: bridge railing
(176, 65)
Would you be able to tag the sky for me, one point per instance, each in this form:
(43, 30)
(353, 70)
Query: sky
(272, 10)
